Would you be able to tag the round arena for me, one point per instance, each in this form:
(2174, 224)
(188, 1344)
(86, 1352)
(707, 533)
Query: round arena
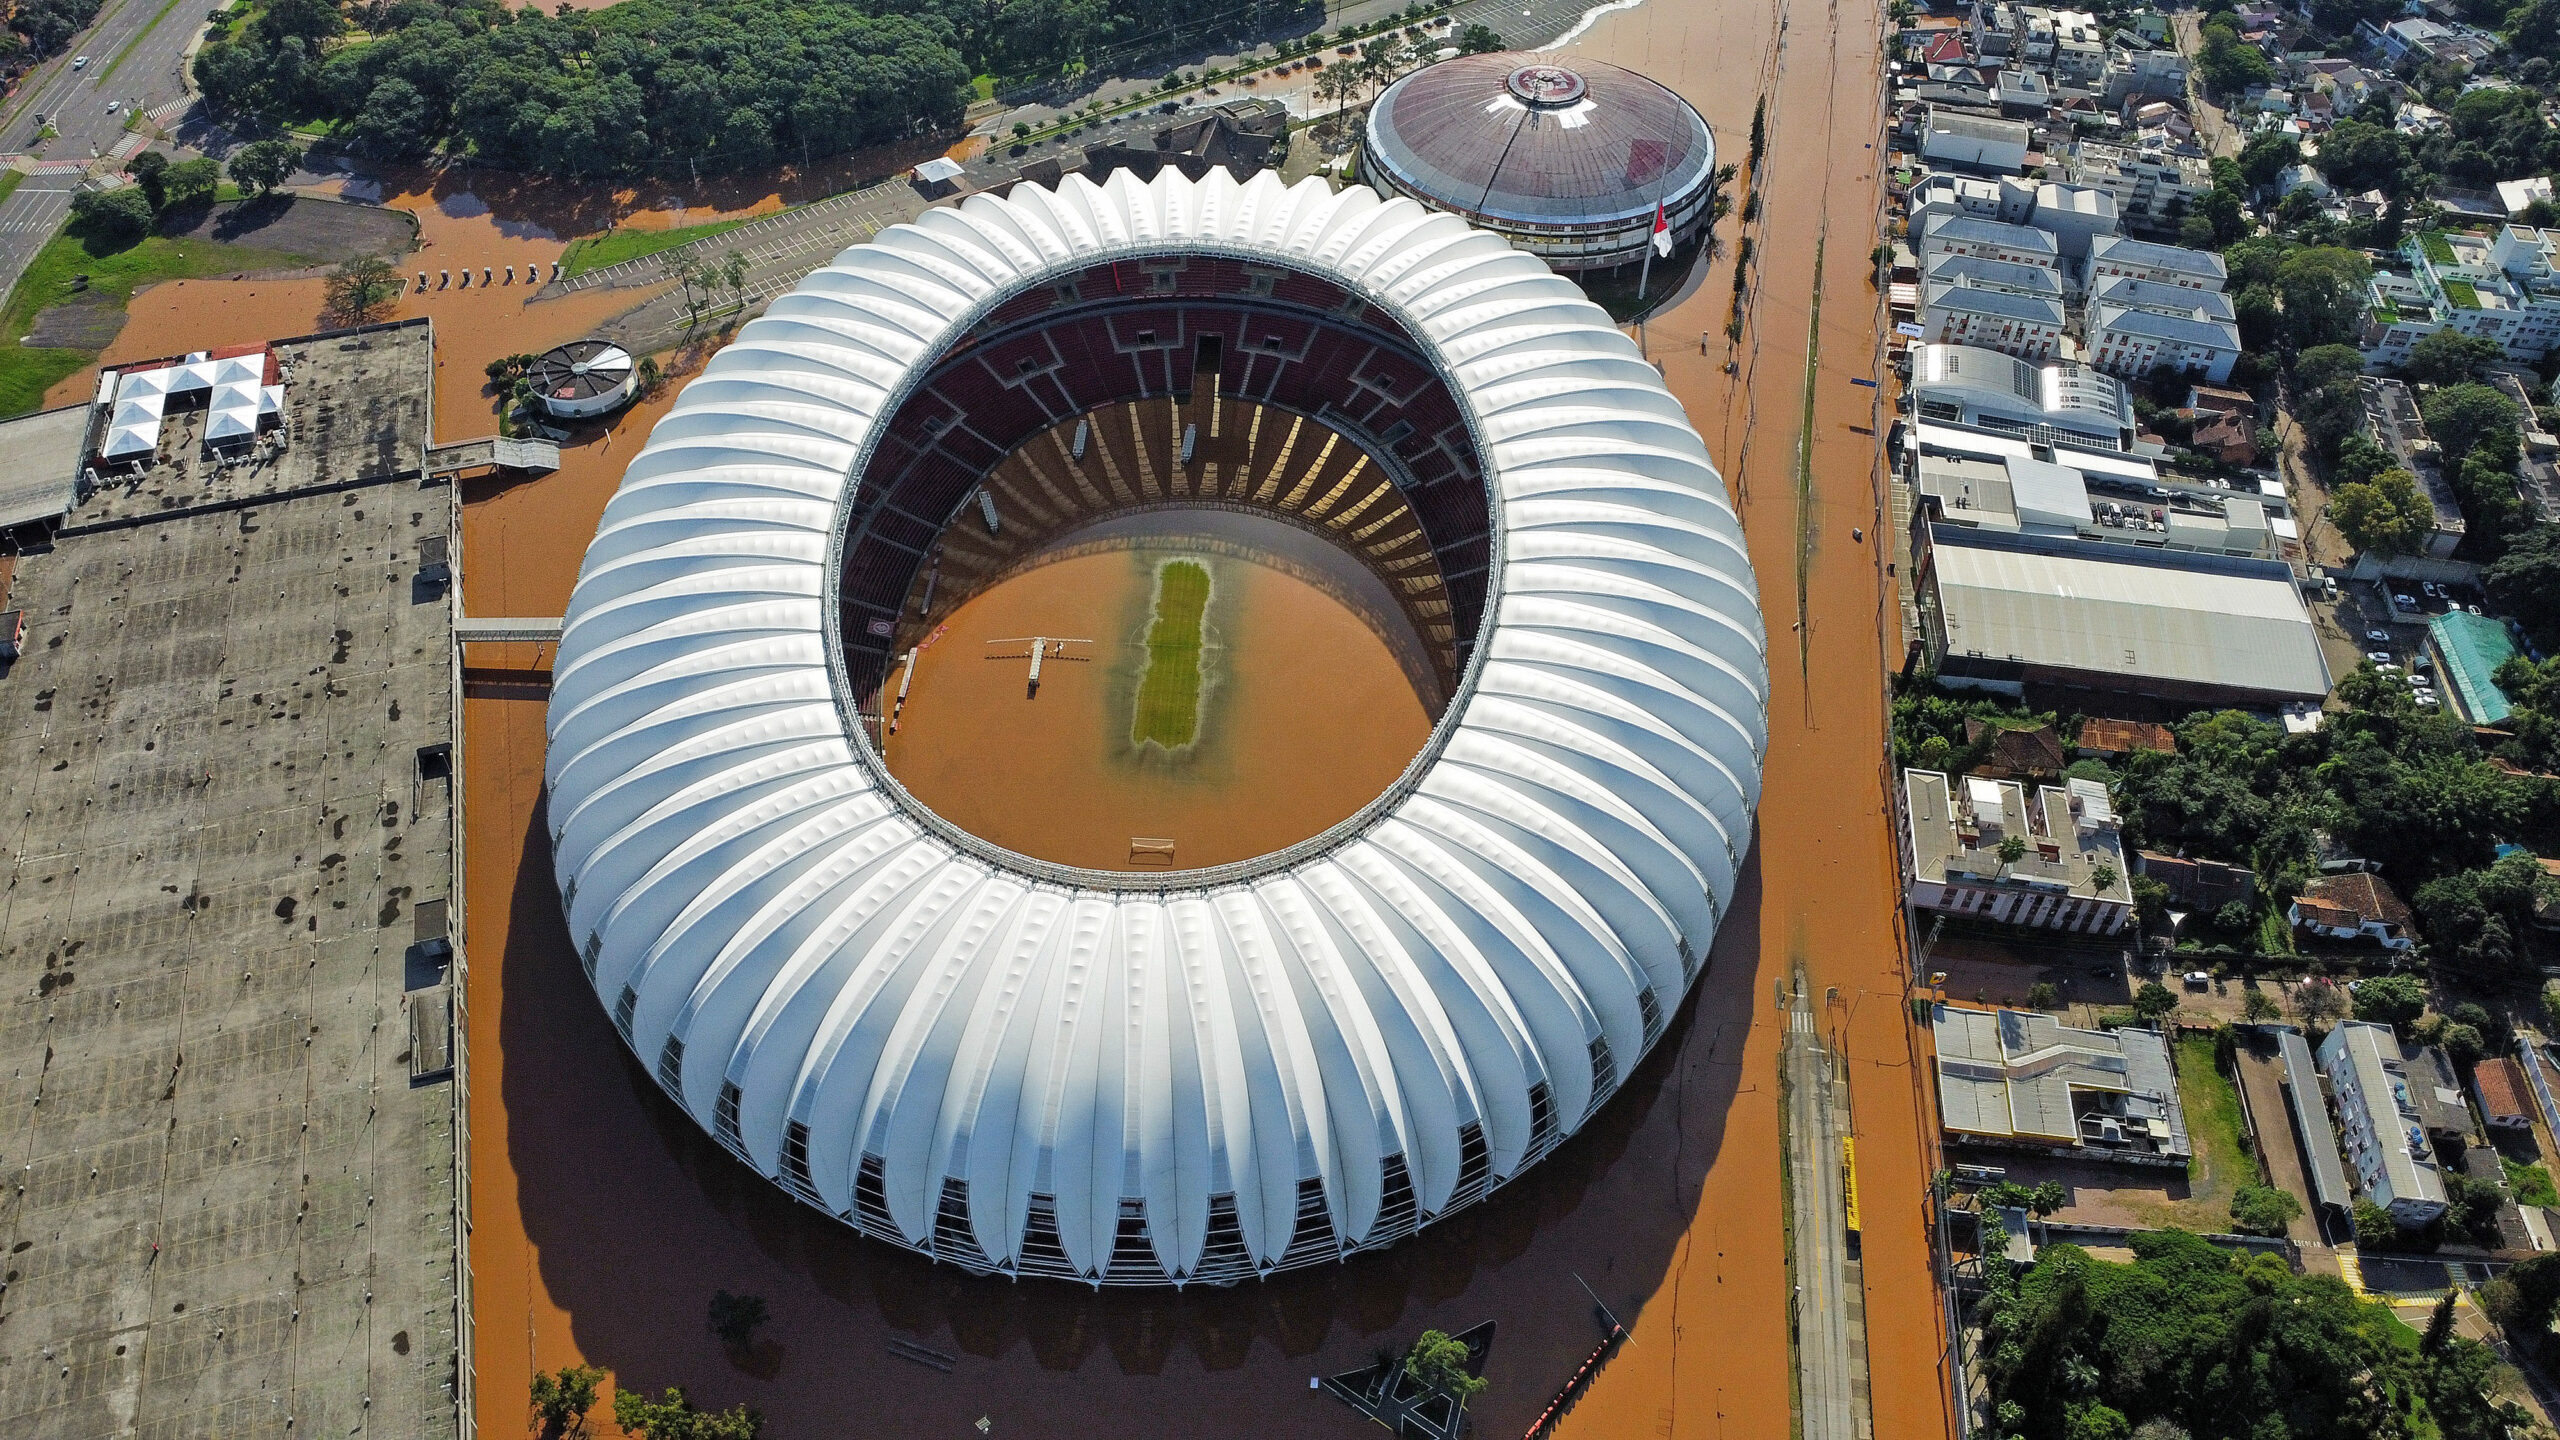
(1160, 732)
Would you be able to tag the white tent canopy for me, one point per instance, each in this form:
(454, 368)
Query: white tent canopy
(1002, 1063)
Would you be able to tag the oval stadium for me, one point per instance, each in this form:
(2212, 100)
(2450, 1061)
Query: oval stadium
(1159, 732)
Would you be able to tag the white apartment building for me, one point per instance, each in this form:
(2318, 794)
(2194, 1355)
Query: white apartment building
(2006, 199)
(2153, 189)
(2499, 286)
(2386, 1139)
(2133, 342)
(1974, 142)
(1951, 853)
(2134, 69)
(1945, 235)
(2076, 216)
(1956, 312)
(2079, 49)
(2172, 266)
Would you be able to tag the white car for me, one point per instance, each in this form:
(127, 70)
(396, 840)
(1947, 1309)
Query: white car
(2428, 698)
(2378, 637)
(2378, 657)
(2405, 602)
(111, 106)
(82, 63)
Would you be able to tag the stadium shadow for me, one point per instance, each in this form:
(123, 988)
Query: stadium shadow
(635, 1217)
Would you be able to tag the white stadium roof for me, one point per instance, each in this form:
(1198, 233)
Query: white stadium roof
(1155, 1078)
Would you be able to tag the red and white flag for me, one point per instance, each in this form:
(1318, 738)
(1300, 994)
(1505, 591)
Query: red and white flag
(1661, 231)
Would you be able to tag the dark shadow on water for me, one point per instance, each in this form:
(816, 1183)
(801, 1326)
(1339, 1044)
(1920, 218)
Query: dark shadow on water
(637, 1217)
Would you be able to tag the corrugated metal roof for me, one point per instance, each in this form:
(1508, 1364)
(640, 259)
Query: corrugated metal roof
(2157, 618)
(2311, 1121)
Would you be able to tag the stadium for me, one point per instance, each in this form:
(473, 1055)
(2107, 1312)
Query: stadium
(1159, 732)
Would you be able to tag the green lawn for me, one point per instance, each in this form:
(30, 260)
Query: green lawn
(9, 181)
(25, 372)
(2222, 1162)
(1168, 708)
(2530, 1184)
(595, 252)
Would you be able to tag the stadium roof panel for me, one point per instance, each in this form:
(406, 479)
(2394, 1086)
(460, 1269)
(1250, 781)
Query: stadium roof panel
(1168, 1077)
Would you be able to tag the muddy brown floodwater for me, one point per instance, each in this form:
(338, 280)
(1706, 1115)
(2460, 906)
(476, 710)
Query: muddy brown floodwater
(1304, 714)
(603, 1219)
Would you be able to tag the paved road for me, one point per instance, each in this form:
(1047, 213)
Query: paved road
(134, 50)
(1831, 1364)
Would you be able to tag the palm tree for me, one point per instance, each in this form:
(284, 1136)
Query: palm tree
(2012, 850)
(1336, 83)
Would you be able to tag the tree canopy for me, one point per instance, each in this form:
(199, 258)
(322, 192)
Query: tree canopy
(2227, 1347)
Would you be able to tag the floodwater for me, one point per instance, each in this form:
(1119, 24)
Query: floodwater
(1305, 716)
(604, 1220)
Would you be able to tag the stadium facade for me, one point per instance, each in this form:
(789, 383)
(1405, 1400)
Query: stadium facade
(1155, 1078)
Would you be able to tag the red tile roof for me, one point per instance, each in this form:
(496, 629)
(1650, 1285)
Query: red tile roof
(2503, 1091)
(2125, 736)
(2365, 895)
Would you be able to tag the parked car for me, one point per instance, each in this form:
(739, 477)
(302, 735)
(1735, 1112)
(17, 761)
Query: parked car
(2378, 637)
(2405, 602)
(2428, 699)
(2198, 980)
(2378, 657)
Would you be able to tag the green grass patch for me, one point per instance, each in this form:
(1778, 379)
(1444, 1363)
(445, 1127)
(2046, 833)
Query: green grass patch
(2461, 295)
(9, 181)
(1168, 708)
(2437, 248)
(2530, 1184)
(596, 252)
(2213, 1124)
(27, 372)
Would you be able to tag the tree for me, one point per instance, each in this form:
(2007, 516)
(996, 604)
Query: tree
(675, 1418)
(2267, 157)
(562, 1399)
(699, 282)
(2389, 999)
(2013, 848)
(2525, 582)
(1477, 39)
(734, 1318)
(2375, 1229)
(264, 165)
(148, 169)
(1439, 1361)
(1338, 84)
(2263, 1210)
(2229, 64)
(396, 121)
(2388, 515)
(733, 275)
(2449, 357)
(2551, 1004)
(363, 290)
(2153, 1001)
(2323, 290)
(2531, 1298)
(191, 184)
(2047, 1197)
(2258, 1005)
(2463, 416)
(2439, 1325)
(121, 215)
(2319, 1002)
(2043, 996)
(2327, 402)
(2103, 878)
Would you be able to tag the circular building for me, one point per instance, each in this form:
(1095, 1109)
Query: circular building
(583, 379)
(1169, 1076)
(1568, 163)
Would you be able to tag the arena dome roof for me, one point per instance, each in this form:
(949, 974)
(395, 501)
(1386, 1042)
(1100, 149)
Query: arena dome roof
(1516, 138)
(1170, 1077)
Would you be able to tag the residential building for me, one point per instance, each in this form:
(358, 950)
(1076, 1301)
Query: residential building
(2226, 435)
(2056, 403)
(2075, 215)
(2071, 876)
(2079, 49)
(2358, 905)
(2422, 40)
(2391, 417)
(2499, 286)
(1943, 235)
(2037, 280)
(1959, 313)
(2183, 301)
(2172, 266)
(2138, 68)
(2516, 195)
(2007, 199)
(1973, 142)
(2021, 1078)
(2153, 189)
(2303, 177)
(2386, 1144)
(2021, 94)
(2180, 626)
(2124, 340)
(2435, 1092)
(2506, 1101)
(2196, 884)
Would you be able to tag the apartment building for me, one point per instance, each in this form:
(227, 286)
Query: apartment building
(2153, 189)
(2116, 257)
(1957, 312)
(2378, 1117)
(2071, 876)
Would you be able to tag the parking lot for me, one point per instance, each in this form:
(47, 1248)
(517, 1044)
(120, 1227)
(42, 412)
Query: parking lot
(2369, 622)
